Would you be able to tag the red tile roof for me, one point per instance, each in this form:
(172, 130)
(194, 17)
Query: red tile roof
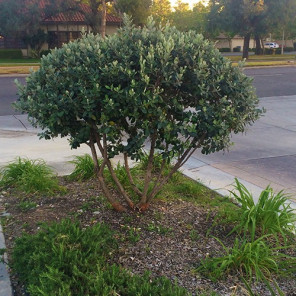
(77, 17)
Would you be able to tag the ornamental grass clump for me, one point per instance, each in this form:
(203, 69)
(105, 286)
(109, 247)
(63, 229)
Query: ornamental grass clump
(151, 84)
(249, 259)
(272, 213)
(84, 168)
(30, 176)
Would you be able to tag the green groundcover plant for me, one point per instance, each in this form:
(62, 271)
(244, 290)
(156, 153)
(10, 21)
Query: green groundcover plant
(29, 175)
(144, 84)
(64, 259)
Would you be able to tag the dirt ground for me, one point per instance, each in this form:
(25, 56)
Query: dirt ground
(169, 239)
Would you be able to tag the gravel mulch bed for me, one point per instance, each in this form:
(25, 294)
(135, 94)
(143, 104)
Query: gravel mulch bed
(169, 239)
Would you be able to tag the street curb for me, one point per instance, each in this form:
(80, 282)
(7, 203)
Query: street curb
(14, 75)
(5, 284)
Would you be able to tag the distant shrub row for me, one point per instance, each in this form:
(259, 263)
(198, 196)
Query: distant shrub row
(267, 50)
(11, 54)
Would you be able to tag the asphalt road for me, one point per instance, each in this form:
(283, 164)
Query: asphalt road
(8, 92)
(273, 81)
(269, 82)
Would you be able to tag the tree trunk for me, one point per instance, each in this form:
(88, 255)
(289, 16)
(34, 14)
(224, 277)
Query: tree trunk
(230, 43)
(103, 19)
(258, 45)
(246, 46)
(94, 17)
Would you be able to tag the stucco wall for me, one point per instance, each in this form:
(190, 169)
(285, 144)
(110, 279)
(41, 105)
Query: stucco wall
(224, 43)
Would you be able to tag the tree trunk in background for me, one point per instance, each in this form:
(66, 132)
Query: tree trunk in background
(246, 46)
(103, 19)
(258, 45)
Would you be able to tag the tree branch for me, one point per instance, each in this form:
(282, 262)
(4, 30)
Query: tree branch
(130, 177)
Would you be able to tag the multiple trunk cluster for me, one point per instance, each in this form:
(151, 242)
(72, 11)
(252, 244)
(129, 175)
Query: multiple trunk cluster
(98, 143)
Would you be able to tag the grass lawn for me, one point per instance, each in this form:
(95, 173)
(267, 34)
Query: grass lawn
(18, 66)
(18, 61)
(63, 238)
(17, 69)
(264, 60)
(254, 63)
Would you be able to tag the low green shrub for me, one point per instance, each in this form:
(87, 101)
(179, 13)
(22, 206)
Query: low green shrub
(29, 176)
(11, 54)
(248, 259)
(271, 214)
(272, 51)
(288, 49)
(44, 52)
(224, 49)
(64, 259)
(237, 49)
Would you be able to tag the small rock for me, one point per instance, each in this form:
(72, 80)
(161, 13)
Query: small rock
(96, 213)
(4, 214)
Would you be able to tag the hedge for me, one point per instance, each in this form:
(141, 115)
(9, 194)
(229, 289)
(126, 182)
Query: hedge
(11, 54)
(224, 49)
(288, 49)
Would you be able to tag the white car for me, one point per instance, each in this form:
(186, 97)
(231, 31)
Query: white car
(271, 45)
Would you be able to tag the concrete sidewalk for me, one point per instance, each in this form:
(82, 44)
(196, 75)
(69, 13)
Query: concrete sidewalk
(19, 138)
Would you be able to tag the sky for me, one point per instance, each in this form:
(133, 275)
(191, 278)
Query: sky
(191, 2)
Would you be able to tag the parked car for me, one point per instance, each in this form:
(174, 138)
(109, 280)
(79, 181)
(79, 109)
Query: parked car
(271, 45)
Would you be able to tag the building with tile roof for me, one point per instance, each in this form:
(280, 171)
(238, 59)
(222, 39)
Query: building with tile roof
(62, 28)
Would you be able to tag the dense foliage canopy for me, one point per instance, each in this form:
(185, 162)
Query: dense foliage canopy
(151, 84)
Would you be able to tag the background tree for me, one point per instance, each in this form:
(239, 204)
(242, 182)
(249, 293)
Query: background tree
(186, 19)
(238, 17)
(251, 18)
(138, 10)
(20, 19)
(161, 11)
(143, 85)
(35, 42)
(281, 19)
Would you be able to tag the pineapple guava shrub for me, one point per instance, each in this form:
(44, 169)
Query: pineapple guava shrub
(153, 85)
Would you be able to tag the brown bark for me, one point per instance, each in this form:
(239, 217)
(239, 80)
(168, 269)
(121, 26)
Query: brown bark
(246, 46)
(103, 150)
(258, 45)
(103, 19)
(186, 155)
(102, 182)
(130, 177)
(114, 177)
(148, 175)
